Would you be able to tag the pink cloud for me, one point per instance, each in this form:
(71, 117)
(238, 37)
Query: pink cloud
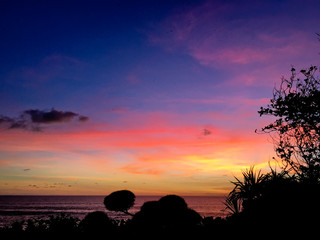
(269, 49)
(254, 51)
(235, 55)
(195, 100)
(135, 168)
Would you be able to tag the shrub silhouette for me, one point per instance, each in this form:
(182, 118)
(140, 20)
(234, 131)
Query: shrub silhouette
(275, 199)
(96, 223)
(172, 203)
(149, 216)
(245, 191)
(120, 201)
(61, 223)
(168, 214)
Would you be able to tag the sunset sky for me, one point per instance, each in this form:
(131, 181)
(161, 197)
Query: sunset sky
(158, 97)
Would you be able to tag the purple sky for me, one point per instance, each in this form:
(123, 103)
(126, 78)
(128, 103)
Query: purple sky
(152, 96)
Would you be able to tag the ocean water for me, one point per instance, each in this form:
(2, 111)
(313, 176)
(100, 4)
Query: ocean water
(17, 208)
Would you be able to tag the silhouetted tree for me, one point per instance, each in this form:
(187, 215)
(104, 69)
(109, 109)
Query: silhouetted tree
(120, 201)
(296, 106)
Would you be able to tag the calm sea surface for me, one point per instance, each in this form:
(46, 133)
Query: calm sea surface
(16, 208)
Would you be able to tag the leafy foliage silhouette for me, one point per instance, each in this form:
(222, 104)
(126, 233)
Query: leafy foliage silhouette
(288, 198)
(246, 190)
(279, 199)
(296, 130)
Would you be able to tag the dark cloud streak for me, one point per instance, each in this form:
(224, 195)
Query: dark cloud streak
(33, 119)
(83, 118)
(53, 116)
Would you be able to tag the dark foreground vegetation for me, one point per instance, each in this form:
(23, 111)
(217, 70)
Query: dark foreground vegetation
(266, 204)
(281, 203)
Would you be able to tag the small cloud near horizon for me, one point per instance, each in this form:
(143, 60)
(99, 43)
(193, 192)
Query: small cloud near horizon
(206, 132)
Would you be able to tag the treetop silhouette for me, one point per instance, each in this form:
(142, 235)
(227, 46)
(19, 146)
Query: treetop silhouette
(120, 201)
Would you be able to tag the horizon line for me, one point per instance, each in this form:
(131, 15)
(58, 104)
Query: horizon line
(100, 195)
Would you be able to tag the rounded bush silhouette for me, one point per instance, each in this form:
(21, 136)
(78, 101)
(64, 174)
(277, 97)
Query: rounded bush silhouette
(150, 206)
(96, 222)
(170, 214)
(191, 217)
(173, 203)
(149, 214)
(119, 201)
